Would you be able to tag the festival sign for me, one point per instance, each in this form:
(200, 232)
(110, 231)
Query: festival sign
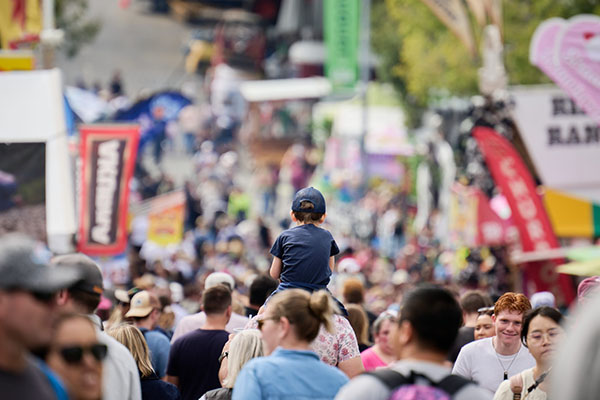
(165, 220)
(562, 141)
(515, 182)
(108, 158)
(340, 20)
(473, 222)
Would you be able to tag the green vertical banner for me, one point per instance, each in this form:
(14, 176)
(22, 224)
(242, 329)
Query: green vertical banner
(340, 20)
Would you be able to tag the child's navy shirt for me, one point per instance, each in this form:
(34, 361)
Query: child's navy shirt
(305, 251)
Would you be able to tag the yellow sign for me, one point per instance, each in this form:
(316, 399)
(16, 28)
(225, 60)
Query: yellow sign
(166, 219)
(16, 61)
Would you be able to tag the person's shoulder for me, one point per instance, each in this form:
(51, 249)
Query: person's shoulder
(190, 321)
(366, 387)
(258, 363)
(115, 348)
(472, 391)
(341, 377)
(239, 320)
(158, 337)
(160, 389)
(477, 345)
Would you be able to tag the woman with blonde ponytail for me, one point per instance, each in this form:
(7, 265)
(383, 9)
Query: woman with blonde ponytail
(289, 324)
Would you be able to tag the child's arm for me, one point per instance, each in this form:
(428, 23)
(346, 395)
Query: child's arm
(275, 270)
(331, 263)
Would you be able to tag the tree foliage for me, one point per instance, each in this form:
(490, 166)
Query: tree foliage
(79, 29)
(424, 60)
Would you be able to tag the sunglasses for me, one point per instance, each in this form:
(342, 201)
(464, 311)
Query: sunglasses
(74, 354)
(261, 321)
(43, 297)
(223, 355)
(485, 310)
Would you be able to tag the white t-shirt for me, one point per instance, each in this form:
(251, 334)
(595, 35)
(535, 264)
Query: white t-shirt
(479, 362)
(504, 392)
(366, 387)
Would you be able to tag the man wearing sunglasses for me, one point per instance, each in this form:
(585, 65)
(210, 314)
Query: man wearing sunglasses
(27, 311)
(120, 378)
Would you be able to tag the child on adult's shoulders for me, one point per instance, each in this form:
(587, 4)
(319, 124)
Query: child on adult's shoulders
(303, 256)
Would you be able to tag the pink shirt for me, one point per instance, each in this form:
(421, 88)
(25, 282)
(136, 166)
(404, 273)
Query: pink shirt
(371, 360)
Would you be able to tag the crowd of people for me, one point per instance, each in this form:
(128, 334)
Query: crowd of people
(60, 336)
(263, 300)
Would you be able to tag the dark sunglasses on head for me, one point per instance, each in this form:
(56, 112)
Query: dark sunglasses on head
(74, 354)
(486, 310)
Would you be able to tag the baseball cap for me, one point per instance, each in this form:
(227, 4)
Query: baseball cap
(122, 296)
(540, 299)
(219, 278)
(90, 274)
(311, 195)
(142, 304)
(25, 265)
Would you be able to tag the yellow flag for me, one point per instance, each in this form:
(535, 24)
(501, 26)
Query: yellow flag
(20, 21)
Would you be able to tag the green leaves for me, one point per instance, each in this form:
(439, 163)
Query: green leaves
(422, 58)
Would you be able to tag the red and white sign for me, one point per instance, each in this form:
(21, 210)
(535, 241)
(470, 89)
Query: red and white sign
(515, 181)
(108, 157)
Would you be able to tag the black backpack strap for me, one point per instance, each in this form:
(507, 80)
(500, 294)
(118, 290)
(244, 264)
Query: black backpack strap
(389, 377)
(451, 384)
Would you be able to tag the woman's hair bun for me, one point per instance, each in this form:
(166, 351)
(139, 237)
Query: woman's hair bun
(320, 306)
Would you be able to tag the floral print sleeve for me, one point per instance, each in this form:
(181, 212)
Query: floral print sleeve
(341, 346)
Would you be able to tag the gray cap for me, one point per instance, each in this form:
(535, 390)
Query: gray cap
(23, 265)
(90, 273)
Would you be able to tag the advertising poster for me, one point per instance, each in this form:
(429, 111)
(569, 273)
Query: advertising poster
(165, 220)
(108, 157)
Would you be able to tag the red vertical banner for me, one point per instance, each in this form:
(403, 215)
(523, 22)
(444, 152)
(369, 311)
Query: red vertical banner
(108, 155)
(513, 178)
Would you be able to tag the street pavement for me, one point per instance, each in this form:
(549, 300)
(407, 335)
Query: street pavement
(147, 48)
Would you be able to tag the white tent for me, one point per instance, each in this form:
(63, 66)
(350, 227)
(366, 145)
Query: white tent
(32, 111)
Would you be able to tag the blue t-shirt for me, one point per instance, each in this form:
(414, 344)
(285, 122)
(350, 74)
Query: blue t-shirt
(305, 251)
(159, 346)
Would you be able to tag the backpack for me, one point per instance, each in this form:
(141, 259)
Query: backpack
(406, 388)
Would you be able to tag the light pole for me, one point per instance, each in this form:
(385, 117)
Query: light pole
(365, 37)
(50, 37)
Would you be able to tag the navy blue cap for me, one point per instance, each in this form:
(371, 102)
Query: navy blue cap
(311, 195)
